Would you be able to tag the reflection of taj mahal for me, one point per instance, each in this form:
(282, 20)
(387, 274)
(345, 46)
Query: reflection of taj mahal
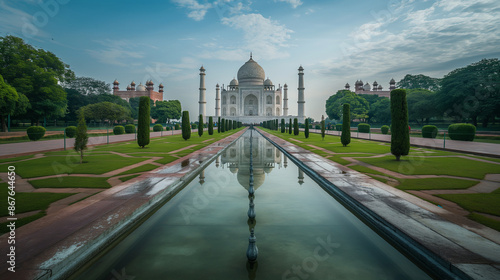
(252, 98)
(265, 158)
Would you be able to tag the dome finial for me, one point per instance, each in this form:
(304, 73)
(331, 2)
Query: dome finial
(250, 55)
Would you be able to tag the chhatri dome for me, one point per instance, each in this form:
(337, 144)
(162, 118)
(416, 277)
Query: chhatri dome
(251, 73)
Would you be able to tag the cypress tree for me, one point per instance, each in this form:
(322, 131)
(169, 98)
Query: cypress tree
(290, 126)
(143, 121)
(81, 137)
(210, 125)
(283, 126)
(218, 125)
(400, 132)
(345, 138)
(226, 125)
(186, 125)
(295, 127)
(200, 125)
(222, 125)
(323, 129)
(306, 129)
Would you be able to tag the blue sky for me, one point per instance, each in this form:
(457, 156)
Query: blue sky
(335, 41)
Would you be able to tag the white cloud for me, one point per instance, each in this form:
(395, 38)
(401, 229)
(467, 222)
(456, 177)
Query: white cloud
(418, 40)
(197, 11)
(20, 23)
(263, 35)
(294, 3)
(116, 52)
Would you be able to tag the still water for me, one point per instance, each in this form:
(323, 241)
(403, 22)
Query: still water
(301, 231)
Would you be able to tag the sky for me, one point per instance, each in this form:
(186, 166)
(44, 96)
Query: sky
(336, 41)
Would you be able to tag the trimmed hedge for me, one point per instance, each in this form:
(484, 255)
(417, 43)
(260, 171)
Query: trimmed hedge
(143, 121)
(462, 131)
(130, 128)
(35, 132)
(117, 130)
(385, 129)
(306, 129)
(400, 131)
(186, 127)
(295, 127)
(345, 137)
(70, 131)
(157, 127)
(429, 131)
(210, 125)
(364, 128)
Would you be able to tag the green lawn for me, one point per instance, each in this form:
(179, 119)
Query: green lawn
(26, 202)
(126, 178)
(364, 169)
(435, 184)
(53, 165)
(2, 160)
(492, 223)
(478, 202)
(21, 222)
(142, 168)
(71, 182)
(435, 166)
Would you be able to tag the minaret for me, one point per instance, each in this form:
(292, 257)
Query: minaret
(217, 100)
(301, 88)
(202, 102)
(285, 100)
(116, 86)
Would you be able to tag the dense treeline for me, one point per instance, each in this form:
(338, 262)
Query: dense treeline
(468, 94)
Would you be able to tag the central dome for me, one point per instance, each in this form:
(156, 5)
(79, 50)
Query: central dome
(251, 73)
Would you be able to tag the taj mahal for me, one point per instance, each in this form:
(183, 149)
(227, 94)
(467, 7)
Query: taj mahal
(252, 98)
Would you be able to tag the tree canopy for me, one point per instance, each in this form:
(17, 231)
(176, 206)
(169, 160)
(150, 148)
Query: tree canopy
(35, 73)
(87, 86)
(359, 107)
(11, 102)
(103, 111)
(419, 81)
(164, 111)
(421, 104)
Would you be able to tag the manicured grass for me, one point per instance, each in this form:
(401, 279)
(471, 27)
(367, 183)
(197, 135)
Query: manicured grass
(25, 138)
(478, 202)
(142, 168)
(21, 222)
(435, 184)
(166, 159)
(26, 202)
(2, 160)
(126, 178)
(435, 166)
(71, 182)
(54, 165)
(83, 198)
(364, 169)
(492, 223)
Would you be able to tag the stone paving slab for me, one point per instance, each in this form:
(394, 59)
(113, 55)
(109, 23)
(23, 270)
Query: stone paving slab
(476, 250)
(63, 240)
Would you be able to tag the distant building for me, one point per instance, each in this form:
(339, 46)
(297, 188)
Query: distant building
(141, 90)
(360, 88)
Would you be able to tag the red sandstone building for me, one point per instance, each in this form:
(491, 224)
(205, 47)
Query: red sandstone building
(141, 90)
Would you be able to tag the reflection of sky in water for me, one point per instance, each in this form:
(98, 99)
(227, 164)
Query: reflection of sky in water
(301, 231)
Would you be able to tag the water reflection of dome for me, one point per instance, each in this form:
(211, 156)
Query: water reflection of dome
(258, 178)
(233, 169)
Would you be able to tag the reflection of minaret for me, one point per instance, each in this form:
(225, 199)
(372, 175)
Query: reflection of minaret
(285, 100)
(217, 162)
(217, 101)
(301, 176)
(202, 177)
(285, 162)
(202, 102)
(301, 88)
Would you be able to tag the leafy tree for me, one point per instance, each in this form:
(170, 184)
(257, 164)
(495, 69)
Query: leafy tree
(400, 132)
(380, 111)
(419, 81)
(143, 122)
(359, 106)
(283, 128)
(36, 73)
(306, 129)
(164, 111)
(472, 92)
(345, 137)
(105, 111)
(87, 86)
(420, 104)
(11, 102)
(186, 125)
(200, 125)
(210, 125)
(81, 137)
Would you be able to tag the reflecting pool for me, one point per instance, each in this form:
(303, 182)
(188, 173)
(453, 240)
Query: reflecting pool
(301, 231)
